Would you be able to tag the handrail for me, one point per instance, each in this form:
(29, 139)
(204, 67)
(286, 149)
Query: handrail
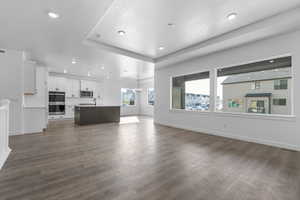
(4, 131)
(4, 103)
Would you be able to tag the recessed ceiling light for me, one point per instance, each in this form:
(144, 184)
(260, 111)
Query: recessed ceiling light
(53, 15)
(161, 48)
(121, 32)
(89, 74)
(73, 61)
(102, 67)
(231, 16)
(65, 71)
(271, 61)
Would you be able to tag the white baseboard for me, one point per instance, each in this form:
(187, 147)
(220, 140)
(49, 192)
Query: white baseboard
(3, 157)
(236, 137)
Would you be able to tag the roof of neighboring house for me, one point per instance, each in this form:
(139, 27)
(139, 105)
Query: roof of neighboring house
(259, 76)
(258, 95)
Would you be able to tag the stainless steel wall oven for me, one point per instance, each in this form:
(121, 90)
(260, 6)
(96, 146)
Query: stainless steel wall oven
(57, 103)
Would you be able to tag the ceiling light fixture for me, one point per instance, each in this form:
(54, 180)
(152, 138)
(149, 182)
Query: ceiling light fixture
(161, 48)
(89, 74)
(121, 32)
(102, 68)
(53, 15)
(271, 61)
(73, 61)
(231, 16)
(65, 71)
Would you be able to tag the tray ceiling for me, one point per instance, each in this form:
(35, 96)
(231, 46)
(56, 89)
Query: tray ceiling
(156, 28)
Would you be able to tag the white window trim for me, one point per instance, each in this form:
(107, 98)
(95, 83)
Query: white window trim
(148, 97)
(213, 89)
(210, 92)
(122, 105)
(238, 115)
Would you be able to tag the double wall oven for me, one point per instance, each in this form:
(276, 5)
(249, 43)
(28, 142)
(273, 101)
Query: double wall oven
(57, 103)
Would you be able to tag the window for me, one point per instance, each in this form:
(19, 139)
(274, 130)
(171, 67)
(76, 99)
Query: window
(151, 96)
(281, 84)
(279, 102)
(257, 106)
(191, 92)
(128, 97)
(250, 88)
(255, 85)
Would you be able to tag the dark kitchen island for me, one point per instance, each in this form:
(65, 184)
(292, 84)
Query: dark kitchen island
(91, 114)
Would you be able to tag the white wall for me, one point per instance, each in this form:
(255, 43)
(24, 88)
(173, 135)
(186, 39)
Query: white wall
(39, 99)
(36, 106)
(278, 131)
(112, 93)
(144, 84)
(11, 87)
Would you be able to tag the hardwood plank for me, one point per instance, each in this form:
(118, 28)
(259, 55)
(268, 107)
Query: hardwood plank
(144, 161)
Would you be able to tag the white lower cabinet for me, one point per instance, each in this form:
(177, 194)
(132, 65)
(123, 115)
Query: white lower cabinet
(69, 111)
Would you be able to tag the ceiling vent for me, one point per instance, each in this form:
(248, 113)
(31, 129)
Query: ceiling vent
(2, 51)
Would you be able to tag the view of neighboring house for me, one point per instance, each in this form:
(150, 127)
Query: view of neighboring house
(267, 92)
(196, 101)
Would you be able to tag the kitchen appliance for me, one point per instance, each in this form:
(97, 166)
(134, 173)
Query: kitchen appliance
(86, 94)
(57, 103)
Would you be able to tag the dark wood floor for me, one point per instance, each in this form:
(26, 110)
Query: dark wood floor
(142, 161)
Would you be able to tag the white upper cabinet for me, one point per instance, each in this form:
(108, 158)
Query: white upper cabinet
(72, 88)
(88, 85)
(29, 78)
(57, 84)
(99, 91)
(75, 88)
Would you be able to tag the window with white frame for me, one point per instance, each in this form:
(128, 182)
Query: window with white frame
(258, 87)
(191, 92)
(281, 84)
(128, 97)
(151, 96)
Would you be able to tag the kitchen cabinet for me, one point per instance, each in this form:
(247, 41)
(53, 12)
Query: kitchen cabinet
(57, 84)
(29, 78)
(98, 91)
(88, 85)
(69, 111)
(72, 88)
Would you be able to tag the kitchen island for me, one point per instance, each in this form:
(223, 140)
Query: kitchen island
(91, 114)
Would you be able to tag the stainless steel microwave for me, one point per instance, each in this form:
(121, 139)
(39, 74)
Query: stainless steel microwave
(86, 94)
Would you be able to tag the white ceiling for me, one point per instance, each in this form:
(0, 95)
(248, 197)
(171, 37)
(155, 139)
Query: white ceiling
(25, 25)
(55, 42)
(146, 22)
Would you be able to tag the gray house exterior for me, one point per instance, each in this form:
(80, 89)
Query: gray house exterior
(265, 92)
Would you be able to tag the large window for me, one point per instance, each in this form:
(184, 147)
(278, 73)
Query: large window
(151, 96)
(258, 87)
(281, 84)
(191, 92)
(279, 102)
(128, 97)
